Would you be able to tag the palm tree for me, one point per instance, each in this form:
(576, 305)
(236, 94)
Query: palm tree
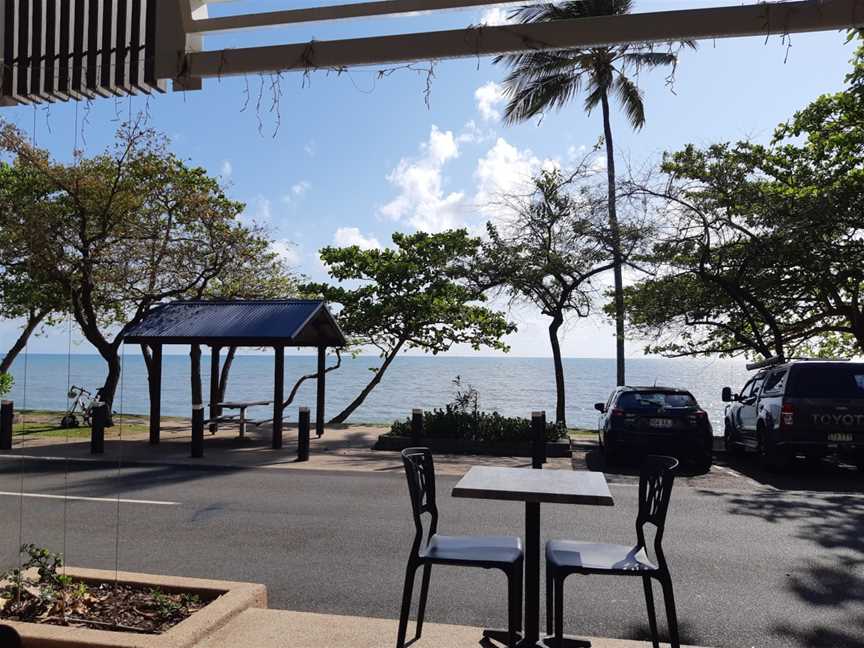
(540, 80)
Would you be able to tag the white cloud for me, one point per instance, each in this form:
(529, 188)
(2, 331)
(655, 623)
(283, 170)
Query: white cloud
(347, 236)
(227, 169)
(488, 97)
(300, 188)
(309, 148)
(504, 170)
(259, 210)
(422, 200)
(496, 16)
(287, 251)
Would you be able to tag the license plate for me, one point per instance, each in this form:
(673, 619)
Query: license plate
(839, 436)
(660, 423)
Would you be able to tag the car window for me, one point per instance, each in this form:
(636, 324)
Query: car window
(776, 382)
(650, 401)
(745, 390)
(828, 381)
(757, 385)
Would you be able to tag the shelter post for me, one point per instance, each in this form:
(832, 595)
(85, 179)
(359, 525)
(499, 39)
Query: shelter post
(154, 379)
(215, 410)
(319, 406)
(278, 395)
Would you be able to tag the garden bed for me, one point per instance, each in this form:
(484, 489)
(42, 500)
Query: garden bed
(142, 611)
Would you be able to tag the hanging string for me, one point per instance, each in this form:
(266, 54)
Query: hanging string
(119, 464)
(66, 471)
(22, 432)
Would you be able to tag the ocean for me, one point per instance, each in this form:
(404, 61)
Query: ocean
(511, 386)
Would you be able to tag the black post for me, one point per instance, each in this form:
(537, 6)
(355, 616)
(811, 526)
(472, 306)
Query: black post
(416, 425)
(197, 430)
(155, 393)
(215, 412)
(319, 405)
(532, 572)
(97, 428)
(278, 395)
(538, 439)
(303, 435)
(7, 416)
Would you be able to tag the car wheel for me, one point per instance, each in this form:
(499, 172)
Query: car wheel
(703, 463)
(769, 456)
(729, 443)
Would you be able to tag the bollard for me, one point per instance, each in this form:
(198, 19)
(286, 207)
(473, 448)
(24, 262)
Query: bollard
(97, 427)
(538, 439)
(7, 416)
(303, 435)
(416, 425)
(197, 431)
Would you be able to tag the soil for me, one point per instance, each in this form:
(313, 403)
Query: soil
(104, 606)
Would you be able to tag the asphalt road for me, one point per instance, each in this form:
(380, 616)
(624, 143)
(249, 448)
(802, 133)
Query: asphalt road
(753, 564)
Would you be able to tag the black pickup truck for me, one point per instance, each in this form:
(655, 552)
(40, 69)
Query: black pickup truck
(812, 408)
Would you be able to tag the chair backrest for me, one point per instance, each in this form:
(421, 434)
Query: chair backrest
(9, 638)
(420, 473)
(655, 488)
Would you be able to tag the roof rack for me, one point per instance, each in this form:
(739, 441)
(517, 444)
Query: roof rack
(768, 362)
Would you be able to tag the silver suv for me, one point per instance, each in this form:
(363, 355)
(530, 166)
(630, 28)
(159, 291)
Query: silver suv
(801, 407)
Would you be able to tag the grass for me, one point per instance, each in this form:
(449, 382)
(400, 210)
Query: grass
(581, 433)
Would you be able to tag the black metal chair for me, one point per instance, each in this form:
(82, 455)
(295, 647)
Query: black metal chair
(490, 552)
(565, 557)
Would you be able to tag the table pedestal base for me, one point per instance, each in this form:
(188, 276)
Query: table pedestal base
(500, 638)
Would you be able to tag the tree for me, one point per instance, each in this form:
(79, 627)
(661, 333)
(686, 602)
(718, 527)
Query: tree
(22, 295)
(547, 254)
(767, 248)
(541, 80)
(410, 296)
(122, 231)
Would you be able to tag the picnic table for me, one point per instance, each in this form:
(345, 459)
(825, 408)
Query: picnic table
(533, 486)
(241, 417)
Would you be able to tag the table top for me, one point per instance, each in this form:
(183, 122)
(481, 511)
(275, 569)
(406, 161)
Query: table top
(529, 485)
(235, 405)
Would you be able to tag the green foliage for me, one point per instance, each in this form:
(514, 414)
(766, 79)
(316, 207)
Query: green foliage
(7, 381)
(767, 248)
(413, 295)
(462, 419)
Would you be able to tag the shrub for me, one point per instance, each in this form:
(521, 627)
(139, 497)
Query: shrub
(6, 383)
(482, 427)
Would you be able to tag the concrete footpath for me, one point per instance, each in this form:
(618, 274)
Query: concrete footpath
(260, 628)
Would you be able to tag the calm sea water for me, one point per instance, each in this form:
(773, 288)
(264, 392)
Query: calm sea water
(512, 386)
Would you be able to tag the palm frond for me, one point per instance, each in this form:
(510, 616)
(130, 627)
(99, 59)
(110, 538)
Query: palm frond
(535, 97)
(649, 59)
(630, 98)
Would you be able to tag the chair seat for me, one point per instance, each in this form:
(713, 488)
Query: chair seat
(472, 550)
(592, 557)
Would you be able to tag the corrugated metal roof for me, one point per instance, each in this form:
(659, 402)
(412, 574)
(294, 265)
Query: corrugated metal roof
(289, 322)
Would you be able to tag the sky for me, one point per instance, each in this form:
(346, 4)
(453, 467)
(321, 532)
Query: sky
(343, 159)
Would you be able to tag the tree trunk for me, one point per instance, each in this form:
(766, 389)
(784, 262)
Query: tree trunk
(560, 416)
(32, 322)
(223, 375)
(342, 416)
(109, 388)
(616, 243)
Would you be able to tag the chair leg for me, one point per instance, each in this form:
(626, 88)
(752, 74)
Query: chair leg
(424, 594)
(652, 614)
(671, 615)
(559, 611)
(514, 604)
(550, 598)
(407, 591)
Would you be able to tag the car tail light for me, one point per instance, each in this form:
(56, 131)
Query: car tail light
(787, 415)
(616, 411)
(699, 416)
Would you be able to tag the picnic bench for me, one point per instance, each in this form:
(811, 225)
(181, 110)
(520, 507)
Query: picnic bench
(240, 418)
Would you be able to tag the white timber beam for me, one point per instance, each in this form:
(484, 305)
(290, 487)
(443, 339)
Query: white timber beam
(659, 27)
(335, 12)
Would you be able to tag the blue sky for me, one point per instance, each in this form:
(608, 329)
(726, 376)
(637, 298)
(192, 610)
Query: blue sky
(355, 157)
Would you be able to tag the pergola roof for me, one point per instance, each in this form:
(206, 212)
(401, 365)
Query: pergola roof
(277, 322)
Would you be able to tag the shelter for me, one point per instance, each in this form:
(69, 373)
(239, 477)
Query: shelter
(235, 323)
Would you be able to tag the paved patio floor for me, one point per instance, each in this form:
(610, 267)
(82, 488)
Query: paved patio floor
(259, 628)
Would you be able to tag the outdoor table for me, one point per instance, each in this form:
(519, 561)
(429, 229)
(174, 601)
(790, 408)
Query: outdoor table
(534, 487)
(242, 405)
